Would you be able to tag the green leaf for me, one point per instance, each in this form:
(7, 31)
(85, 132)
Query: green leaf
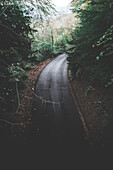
(17, 80)
(101, 54)
(97, 58)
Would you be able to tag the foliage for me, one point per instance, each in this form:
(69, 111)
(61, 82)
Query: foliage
(91, 55)
(15, 47)
(16, 73)
(16, 38)
(105, 45)
(38, 9)
(48, 42)
(96, 19)
(42, 47)
(60, 43)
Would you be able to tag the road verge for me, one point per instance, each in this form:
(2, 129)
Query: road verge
(16, 127)
(87, 109)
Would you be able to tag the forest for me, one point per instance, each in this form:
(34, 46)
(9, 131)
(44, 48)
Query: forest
(28, 38)
(91, 57)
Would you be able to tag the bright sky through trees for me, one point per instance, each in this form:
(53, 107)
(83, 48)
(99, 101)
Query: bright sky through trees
(61, 3)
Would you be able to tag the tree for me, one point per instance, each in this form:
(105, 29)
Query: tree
(15, 47)
(16, 39)
(35, 8)
(91, 58)
(95, 19)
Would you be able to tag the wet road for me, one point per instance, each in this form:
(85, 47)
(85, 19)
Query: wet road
(55, 116)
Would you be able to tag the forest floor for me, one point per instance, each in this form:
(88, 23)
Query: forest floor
(88, 101)
(95, 107)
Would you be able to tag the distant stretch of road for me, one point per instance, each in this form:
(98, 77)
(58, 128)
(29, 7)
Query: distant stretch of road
(55, 113)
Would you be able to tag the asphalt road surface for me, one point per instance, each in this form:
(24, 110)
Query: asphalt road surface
(55, 116)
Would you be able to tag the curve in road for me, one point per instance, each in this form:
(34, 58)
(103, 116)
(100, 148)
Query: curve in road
(55, 115)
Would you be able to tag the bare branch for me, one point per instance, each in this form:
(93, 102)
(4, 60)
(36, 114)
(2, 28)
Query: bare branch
(14, 124)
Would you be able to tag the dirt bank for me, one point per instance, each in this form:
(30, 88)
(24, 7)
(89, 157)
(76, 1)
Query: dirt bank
(88, 101)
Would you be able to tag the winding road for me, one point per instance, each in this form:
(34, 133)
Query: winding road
(54, 113)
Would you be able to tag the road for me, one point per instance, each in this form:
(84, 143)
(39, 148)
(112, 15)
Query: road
(54, 113)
